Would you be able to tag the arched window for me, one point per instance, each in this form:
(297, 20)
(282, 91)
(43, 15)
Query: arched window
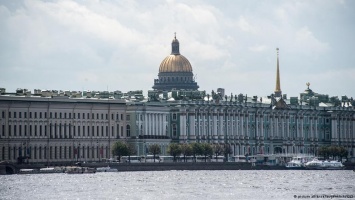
(174, 130)
(65, 130)
(70, 131)
(50, 153)
(35, 152)
(40, 153)
(92, 152)
(60, 152)
(141, 129)
(88, 152)
(55, 152)
(60, 130)
(128, 130)
(3, 153)
(45, 152)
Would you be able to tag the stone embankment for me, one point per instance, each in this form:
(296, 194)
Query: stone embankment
(9, 168)
(180, 166)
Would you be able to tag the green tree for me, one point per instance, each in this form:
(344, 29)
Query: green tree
(333, 151)
(174, 150)
(186, 150)
(119, 149)
(217, 150)
(131, 150)
(227, 150)
(206, 150)
(196, 149)
(155, 150)
(323, 151)
(343, 153)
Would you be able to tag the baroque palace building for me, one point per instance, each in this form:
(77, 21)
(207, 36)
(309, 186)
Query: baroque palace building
(49, 126)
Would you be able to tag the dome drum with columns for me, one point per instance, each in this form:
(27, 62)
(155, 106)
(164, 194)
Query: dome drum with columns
(175, 72)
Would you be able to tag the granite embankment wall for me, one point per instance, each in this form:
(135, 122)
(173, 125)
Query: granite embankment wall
(181, 166)
(13, 168)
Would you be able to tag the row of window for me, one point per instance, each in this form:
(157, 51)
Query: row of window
(181, 79)
(62, 131)
(57, 152)
(43, 115)
(154, 116)
(252, 119)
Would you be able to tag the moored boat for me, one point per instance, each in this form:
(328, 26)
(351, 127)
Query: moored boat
(294, 165)
(333, 165)
(80, 170)
(324, 165)
(28, 171)
(106, 169)
(48, 170)
(297, 162)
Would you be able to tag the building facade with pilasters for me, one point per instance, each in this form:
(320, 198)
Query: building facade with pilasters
(255, 128)
(81, 126)
(67, 130)
(63, 130)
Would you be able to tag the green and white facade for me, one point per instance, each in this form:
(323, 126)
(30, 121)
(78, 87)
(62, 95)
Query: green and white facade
(64, 126)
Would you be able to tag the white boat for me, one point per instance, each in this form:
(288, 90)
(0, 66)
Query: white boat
(297, 162)
(28, 171)
(333, 165)
(294, 165)
(325, 165)
(314, 164)
(80, 170)
(106, 169)
(51, 170)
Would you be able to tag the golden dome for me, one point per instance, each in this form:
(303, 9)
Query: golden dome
(175, 63)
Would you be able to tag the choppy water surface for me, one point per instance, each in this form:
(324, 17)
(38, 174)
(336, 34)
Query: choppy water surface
(179, 185)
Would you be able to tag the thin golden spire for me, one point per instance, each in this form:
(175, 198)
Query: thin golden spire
(278, 85)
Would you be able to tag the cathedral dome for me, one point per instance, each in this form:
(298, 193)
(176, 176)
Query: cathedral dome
(175, 72)
(175, 63)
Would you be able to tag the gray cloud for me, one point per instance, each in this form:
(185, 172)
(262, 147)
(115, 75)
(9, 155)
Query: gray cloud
(93, 45)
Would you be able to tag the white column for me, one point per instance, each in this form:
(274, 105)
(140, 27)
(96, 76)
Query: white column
(192, 124)
(221, 126)
(273, 125)
(302, 133)
(282, 119)
(149, 124)
(288, 126)
(242, 124)
(146, 123)
(237, 125)
(214, 129)
(333, 129)
(257, 126)
(246, 118)
(262, 126)
(276, 121)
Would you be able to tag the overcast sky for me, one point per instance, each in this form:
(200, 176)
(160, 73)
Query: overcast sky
(119, 45)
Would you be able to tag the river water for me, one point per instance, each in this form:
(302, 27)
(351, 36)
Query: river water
(156, 185)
